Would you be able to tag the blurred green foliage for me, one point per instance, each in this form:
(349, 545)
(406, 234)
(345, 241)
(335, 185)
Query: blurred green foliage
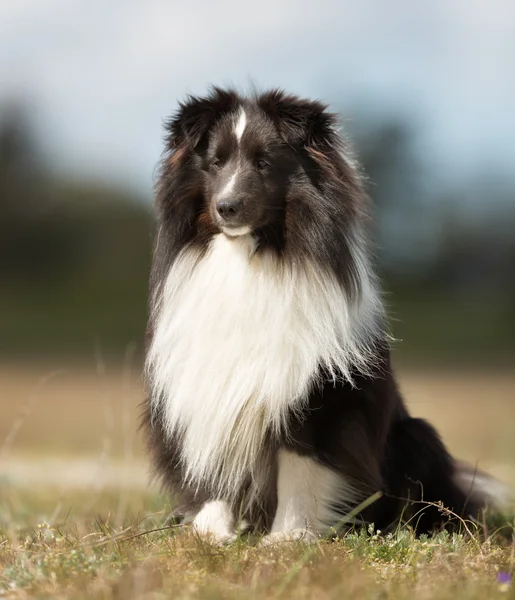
(75, 257)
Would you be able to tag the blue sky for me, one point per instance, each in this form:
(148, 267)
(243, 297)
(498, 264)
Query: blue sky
(100, 75)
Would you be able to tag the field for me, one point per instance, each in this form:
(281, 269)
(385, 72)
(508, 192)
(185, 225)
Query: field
(79, 520)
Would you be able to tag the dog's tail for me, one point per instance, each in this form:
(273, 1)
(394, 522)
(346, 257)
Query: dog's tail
(427, 487)
(481, 488)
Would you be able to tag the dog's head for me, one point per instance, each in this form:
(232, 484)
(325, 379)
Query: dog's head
(253, 155)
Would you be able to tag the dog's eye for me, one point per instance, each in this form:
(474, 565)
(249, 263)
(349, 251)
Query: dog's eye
(262, 164)
(216, 164)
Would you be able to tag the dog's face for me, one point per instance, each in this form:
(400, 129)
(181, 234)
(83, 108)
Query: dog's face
(253, 156)
(248, 166)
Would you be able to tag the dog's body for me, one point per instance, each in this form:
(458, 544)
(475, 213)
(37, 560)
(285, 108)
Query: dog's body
(271, 394)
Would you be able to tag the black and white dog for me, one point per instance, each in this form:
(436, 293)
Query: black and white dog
(271, 394)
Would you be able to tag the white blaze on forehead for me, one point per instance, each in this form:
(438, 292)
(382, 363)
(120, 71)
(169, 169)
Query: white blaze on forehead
(240, 125)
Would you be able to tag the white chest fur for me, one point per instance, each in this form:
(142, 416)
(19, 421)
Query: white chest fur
(238, 342)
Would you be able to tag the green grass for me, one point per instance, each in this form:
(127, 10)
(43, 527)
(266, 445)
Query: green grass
(85, 547)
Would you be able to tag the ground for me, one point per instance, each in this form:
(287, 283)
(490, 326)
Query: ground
(78, 518)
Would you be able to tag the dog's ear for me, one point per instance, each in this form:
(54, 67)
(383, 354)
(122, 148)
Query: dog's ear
(197, 115)
(302, 122)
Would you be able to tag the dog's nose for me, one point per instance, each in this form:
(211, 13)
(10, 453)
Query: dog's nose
(229, 209)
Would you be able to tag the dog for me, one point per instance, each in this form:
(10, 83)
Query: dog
(272, 401)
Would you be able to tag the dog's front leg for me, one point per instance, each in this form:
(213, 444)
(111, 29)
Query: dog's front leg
(306, 494)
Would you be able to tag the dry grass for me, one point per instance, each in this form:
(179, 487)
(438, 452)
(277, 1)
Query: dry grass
(87, 554)
(77, 519)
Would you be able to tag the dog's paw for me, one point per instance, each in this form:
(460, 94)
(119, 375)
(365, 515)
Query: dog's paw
(217, 537)
(305, 536)
(215, 523)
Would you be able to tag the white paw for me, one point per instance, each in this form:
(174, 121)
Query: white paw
(217, 537)
(215, 523)
(305, 536)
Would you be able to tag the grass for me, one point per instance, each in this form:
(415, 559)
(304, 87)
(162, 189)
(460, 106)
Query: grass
(86, 552)
(78, 520)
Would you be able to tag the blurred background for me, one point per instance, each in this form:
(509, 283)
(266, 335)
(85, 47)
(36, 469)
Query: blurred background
(426, 91)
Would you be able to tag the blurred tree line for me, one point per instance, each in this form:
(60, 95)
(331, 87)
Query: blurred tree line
(446, 253)
(75, 255)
